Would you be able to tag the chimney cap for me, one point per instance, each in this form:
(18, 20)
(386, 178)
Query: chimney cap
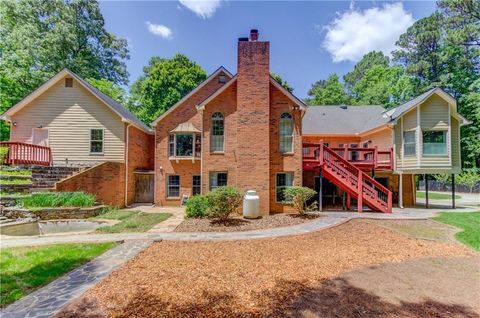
(254, 31)
(242, 39)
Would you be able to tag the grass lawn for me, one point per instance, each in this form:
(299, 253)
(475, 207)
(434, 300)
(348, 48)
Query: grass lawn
(15, 173)
(131, 221)
(15, 181)
(436, 196)
(24, 269)
(468, 221)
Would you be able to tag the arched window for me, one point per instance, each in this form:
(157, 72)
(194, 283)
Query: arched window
(286, 133)
(217, 132)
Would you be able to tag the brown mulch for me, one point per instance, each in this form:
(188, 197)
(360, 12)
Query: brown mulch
(238, 223)
(280, 277)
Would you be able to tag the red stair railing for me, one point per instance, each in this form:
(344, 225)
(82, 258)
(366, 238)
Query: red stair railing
(27, 154)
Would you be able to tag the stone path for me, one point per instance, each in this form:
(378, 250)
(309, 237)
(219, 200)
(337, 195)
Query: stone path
(48, 300)
(328, 219)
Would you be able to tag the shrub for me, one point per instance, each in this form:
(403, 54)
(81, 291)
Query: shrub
(3, 154)
(59, 199)
(469, 178)
(298, 197)
(197, 206)
(223, 201)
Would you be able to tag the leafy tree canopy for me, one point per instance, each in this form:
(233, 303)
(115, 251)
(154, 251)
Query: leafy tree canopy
(111, 89)
(328, 92)
(280, 81)
(367, 62)
(163, 83)
(40, 38)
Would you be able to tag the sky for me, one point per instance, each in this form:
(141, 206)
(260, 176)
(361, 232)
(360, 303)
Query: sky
(308, 39)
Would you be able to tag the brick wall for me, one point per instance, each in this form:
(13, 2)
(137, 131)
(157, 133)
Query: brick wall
(140, 157)
(186, 112)
(106, 181)
(253, 119)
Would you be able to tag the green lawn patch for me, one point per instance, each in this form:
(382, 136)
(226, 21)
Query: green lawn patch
(15, 181)
(58, 199)
(25, 269)
(468, 221)
(436, 196)
(131, 221)
(14, 194)
(15, 173)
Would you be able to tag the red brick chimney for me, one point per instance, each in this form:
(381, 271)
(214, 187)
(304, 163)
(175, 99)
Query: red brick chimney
(253, 109)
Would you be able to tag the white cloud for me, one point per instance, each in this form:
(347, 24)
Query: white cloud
(159, 29)
(354, 33)
(203, 8)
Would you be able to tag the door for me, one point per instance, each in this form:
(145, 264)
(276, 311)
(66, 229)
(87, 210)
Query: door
(143, 188)
(40, 137)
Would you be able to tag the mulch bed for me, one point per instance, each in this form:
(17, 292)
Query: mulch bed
(238, 223)
(280, 277)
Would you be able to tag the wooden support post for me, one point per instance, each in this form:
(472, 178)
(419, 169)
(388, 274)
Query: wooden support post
(373, 173)
(400, 191)
(360, 192)
(320, 194)
(453, 191)
(348, 200)
(425, 177)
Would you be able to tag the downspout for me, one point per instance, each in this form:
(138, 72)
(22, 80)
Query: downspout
(202, 137)
(126, 165)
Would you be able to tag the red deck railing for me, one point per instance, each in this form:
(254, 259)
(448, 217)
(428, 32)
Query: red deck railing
(26, 154)
(363, 158)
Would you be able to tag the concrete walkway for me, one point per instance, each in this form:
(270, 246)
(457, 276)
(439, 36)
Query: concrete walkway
(47, 301)
(328, 219)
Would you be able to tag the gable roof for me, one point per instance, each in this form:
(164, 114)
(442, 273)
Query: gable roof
(289, 95)
(192, 92)
(342, 120)
(117, 108)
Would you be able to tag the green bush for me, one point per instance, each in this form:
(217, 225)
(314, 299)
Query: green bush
(298, 197)
(59, 199)
(197, 206)
(3, 154)
(223, 202)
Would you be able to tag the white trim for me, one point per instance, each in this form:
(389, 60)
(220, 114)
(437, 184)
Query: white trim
(419, 144)
(192, 92)
(449, 136)
(400, 190)
(90, 142)
(402, 142)
(211, 134)
(179, 186)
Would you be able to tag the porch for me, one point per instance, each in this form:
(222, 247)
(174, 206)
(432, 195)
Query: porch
(20, 153)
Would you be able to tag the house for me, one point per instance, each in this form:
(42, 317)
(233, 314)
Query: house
(80, 126)
(247, 131)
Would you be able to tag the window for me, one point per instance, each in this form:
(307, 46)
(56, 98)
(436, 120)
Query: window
(217, 136)
(284, 180)
(434, 143)
(217, 179)
(196, 185)
(409, 144)
(184, 145)
(68, 82)
(222, 79)
(354, 154)
(173, 186)
(286, 133)
(96, 141)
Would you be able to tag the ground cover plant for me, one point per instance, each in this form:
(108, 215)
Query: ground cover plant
(15, 181)
(197, 207)
(130, 221)
(4, 171)
(436, 196)
(59, 199)
(468, 221)
(25, 269)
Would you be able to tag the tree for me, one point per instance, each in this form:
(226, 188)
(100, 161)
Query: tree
(367, 62)
(328, 92)
(40, 38)
(163, 83)
(470, 107)
(383, 85)
(112, 90)
(280, 81)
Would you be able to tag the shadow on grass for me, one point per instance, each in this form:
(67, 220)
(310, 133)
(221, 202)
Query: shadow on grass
(332, 298)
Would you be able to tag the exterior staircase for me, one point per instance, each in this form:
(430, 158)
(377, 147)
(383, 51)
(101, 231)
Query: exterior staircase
(349, 178)
(45, 177)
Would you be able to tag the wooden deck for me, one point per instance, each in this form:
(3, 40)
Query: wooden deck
(26, 154)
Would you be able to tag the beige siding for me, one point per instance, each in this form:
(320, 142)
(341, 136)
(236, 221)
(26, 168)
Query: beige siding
(382, 139)
(455, 144)
(69, 114)
(434, 113)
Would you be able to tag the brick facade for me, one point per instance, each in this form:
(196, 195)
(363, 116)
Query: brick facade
(140, 157)
(106, 181)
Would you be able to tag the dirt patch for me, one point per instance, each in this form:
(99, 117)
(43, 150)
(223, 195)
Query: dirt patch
(421, 229)
(238, 223)
(281, 277)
